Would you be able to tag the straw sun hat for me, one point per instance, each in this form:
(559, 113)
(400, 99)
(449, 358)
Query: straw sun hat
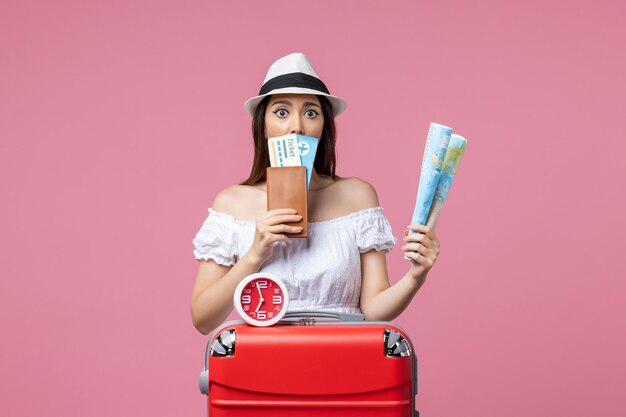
(293, 74)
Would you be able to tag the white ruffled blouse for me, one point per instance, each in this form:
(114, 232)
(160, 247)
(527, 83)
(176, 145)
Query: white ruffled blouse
(322, 272)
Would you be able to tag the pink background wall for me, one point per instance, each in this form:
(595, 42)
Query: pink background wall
(120, 120)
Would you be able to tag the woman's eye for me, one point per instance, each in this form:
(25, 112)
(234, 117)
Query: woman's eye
(281, 113)
(311, 113)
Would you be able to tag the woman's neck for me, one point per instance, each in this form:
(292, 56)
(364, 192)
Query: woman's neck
(319, 182)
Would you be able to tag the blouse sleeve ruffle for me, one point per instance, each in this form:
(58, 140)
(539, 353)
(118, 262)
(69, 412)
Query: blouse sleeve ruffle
(373, 231)
(217, 240)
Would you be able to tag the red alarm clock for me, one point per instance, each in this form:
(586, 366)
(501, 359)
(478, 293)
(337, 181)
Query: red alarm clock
(261, 299)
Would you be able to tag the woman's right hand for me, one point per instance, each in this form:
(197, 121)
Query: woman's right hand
(271, 228)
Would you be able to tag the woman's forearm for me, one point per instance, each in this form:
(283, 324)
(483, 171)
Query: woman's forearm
(391, 302)
(212, 306)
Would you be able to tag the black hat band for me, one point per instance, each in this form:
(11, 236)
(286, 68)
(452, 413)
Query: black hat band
(295, 79)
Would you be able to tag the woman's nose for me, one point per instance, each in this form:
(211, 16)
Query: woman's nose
(297, 126)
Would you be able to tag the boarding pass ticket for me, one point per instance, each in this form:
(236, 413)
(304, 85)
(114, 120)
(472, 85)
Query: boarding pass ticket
(284, 151)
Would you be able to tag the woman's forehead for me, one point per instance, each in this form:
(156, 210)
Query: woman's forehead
(295, 98)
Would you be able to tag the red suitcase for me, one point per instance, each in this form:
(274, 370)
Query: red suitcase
(308, 366)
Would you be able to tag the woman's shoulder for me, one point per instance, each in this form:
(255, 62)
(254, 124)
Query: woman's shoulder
(248, 202)
(243, 202)
(358, 192)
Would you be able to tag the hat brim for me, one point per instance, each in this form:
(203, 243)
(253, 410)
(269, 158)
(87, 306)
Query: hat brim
(337, 103)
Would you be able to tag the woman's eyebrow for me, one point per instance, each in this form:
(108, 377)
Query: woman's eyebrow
(310, 103)
(285, 102)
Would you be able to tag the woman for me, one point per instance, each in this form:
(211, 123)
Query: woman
(341, 265)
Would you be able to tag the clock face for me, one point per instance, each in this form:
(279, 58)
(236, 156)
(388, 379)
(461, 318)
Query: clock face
(261, 299)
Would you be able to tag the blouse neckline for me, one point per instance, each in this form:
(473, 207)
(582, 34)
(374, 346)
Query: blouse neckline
(340, 219)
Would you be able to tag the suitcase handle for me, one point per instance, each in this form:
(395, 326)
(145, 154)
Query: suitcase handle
(306, 318)
(312, 317)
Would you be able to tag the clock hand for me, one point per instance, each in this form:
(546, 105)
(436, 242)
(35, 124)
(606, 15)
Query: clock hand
(259, 306)
(261, 297)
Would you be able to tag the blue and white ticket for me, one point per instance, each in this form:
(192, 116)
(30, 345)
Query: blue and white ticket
(284, 151)
(308, 149)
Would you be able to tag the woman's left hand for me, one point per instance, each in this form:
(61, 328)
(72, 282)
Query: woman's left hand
(422, 248)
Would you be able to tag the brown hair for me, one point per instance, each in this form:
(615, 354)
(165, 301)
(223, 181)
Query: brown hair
(325, 158)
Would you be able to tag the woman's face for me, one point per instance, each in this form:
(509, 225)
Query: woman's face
(294, 113)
